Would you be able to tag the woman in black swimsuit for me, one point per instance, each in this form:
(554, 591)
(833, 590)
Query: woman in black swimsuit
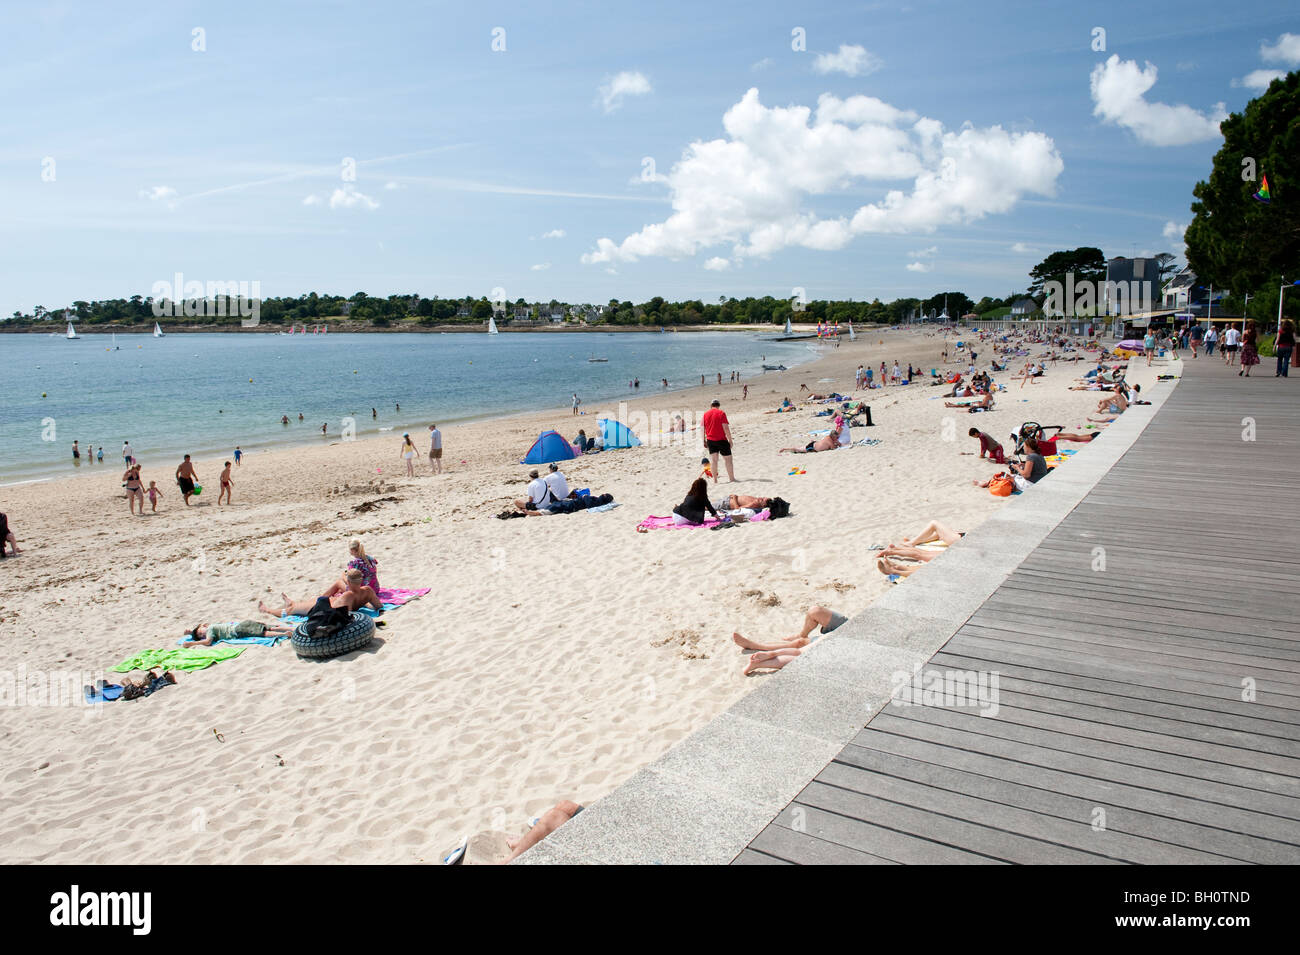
(134, 491)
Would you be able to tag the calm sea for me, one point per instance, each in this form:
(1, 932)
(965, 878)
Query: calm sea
(193, 393)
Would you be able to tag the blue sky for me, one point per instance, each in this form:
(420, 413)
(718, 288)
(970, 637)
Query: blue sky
(127, 156)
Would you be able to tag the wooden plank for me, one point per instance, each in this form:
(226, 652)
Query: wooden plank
(1126, 834)
(876, 840)
(800, 848)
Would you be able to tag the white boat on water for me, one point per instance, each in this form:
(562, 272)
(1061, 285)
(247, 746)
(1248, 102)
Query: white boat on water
(852, 336)
(157, 331)
(492, 325)
(115, 348)
(594, 358)
(72, 332)
(788, 329)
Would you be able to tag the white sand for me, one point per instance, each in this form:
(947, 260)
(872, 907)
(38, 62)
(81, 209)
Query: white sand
(554, 657)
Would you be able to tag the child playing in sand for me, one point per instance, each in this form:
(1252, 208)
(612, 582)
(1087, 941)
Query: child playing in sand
(154, 494)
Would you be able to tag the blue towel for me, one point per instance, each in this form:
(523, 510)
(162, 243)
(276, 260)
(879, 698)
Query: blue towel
(368, 611)
(603, 507)
(263, 641)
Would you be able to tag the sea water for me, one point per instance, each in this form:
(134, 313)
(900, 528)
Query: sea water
(206, 393)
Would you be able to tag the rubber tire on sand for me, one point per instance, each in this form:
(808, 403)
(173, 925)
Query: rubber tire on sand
(357, 634)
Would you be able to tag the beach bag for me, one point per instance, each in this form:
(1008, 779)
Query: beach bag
(321, 623)
(1001, 485)
(778, 508)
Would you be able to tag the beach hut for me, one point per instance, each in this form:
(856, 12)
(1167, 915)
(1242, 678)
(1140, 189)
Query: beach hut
(549, 447)
(617, 435)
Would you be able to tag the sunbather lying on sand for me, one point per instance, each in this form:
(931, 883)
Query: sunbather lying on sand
(205, 634)
(827, 442)
(349, 594)
(549, 821)
(982, 403)
(773, 656)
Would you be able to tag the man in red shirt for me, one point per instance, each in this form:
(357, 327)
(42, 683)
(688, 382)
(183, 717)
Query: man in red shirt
(717, 438)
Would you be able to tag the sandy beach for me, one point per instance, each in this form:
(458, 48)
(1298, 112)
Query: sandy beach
(552, 659)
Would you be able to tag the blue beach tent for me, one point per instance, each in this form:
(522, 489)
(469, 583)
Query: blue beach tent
(548, 447)
(617, 434)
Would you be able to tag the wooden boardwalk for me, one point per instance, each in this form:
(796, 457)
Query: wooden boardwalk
(1147, 658)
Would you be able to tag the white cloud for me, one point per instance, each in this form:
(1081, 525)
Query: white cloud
(554, 234)
(748, 190)
(615, 88)
(390, 185)
(923, 253)
(762, 64)
(1285, 49)
(155, 193)
(1021, 249)
(851, 59)
(540, 266)
(348, 197)
(1119, 90)
(717, 264)
(1259, 79)
(1173, 231)
(612, 271)
(918, 267)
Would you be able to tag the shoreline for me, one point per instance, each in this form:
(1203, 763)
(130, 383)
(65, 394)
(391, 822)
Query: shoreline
(419, 423)
(359, 328)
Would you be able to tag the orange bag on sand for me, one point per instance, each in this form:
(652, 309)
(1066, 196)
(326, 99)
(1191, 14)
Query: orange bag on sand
(1001, 485)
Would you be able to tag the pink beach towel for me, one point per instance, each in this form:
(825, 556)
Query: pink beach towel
(653, 523)
(398, 596)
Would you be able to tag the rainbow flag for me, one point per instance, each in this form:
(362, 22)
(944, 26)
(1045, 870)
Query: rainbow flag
(1263, 195)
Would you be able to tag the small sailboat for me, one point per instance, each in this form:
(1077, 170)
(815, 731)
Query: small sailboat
(72, 332)
(852, 336)
(492, 325)
(115, 348)
(157, 331)
(788, 329)
(594, 358)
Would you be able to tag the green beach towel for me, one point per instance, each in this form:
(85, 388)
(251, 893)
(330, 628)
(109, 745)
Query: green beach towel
(178, 658)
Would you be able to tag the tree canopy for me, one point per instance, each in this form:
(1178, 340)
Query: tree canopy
(1235, 240)
(1087, 264)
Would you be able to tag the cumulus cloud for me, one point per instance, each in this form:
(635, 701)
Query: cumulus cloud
(155, 193)
(1285, 49)
(345, 197)
(348, 197)
(1119, 89)
(748, 189)
(717, 264)
(918, 267)
(923, 253)
(615, 89)
(850, 59)
(540, 266)
(1021, 249)
(1259, 79)
(1173, 231)
(554, 234)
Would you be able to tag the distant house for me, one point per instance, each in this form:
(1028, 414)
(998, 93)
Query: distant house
(521, 312)
(463, 312)
(556, 315)
(1023, 306)
(1181, 291)
(1130, 285)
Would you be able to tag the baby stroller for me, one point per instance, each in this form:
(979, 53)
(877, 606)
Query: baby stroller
(1032, 429)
